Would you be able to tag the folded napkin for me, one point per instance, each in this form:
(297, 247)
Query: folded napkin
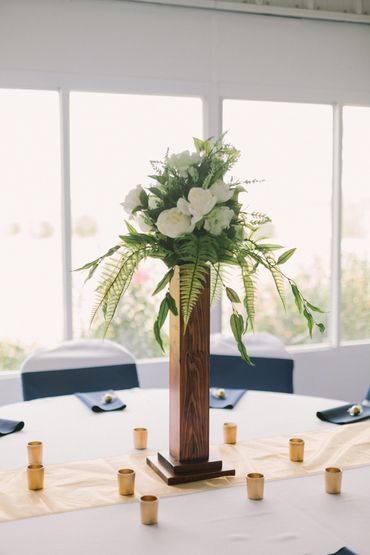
(232, 396)
(95, 401)
(340, 415)
(10, 426)
(344, 551)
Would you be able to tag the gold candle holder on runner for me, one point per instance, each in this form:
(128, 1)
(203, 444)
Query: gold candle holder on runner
(255, 486)
(126, 481)
(333, 479)
(140, 438)
(34, 450)
(296, 449)
(35, 476)
(230, 432)
(149, 509)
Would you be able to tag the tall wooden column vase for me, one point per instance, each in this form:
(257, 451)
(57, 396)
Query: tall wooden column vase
(188, 459)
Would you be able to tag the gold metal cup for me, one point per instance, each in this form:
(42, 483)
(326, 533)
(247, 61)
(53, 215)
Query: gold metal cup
(255, 485)
(126, 481)
(140, 438)
(230, 431)
(35, 476)
(296, 449)
(34, 450)
(333, 479)
(149, 509)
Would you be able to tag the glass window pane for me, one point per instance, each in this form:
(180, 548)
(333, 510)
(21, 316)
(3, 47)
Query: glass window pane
(113, 137)
(31, 282)
(356, 224)
(289, 146)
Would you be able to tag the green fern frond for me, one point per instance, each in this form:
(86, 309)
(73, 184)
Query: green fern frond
(192, 280)
(195, 253)
(249, 290)
(278, 278)
(216, 283)
(115, 278)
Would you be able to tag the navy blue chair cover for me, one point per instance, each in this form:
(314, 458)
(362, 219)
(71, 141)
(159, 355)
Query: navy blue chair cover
(367, 396)
(78, 366)
(268, 374)
(273, 370)
(67, 382)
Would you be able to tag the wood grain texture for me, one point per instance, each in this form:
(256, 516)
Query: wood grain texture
(196, 475)
(189, 378)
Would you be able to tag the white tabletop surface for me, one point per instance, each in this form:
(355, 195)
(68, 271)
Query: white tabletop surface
(295, 518)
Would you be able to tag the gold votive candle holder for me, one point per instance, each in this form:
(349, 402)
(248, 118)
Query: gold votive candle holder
(255, 485)
(333, 479)
(296, 449)
(140, 438)
(35, 476)
(126, 481)
(230, 432)
(149, 509)
(34, 450)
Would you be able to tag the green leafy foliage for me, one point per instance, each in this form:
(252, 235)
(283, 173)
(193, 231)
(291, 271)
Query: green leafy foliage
(216, 283)
(195, 253)
(164, 281)
(114, 281)
(232, 295)
(237, 328)
(249, 291)
(285, 256)
(200, 238)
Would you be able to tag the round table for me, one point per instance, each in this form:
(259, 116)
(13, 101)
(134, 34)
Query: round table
(296, 517)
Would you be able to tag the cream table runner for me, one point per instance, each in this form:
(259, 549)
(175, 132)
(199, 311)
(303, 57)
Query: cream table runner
(85, 484)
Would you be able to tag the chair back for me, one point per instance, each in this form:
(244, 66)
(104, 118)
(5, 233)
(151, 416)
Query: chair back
(272, 370)
(366, 400)
(78, 366)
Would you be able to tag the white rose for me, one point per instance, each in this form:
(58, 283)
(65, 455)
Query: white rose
(142, 223)
(183, 161)
(174, 223)
(184, 206)
(218, 220)
(221, 191)
(132, 199)
(200, 202)
(153, 202)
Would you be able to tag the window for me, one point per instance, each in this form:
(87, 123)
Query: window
(112, 138)
(356, 224)
(289, 146)
(31, 273)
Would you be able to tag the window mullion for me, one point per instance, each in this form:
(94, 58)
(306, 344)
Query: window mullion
(212, 127)
(66, 215)
(335, 290)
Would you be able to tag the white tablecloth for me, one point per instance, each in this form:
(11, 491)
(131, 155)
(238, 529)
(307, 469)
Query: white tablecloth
(295, 518)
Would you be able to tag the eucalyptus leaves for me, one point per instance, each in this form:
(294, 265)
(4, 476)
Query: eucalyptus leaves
(191, 216)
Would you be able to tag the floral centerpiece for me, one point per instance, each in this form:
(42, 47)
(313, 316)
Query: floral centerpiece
(191, 216)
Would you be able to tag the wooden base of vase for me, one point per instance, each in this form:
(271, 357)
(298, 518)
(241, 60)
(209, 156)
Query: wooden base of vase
(174, 472)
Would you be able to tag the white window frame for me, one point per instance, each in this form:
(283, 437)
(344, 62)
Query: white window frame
(212, 94)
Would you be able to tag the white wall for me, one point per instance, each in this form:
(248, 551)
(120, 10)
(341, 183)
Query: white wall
(99, 43)
(112, 45)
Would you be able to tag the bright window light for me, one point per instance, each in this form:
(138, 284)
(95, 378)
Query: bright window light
(112, 138)
(289, 146)
(356, 224)
(30, 242)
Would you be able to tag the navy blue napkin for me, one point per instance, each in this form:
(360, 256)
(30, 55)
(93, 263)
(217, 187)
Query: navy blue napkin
(344, 551)
(10, 426)
(232, 396)
(94, 400)
(339, 415)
